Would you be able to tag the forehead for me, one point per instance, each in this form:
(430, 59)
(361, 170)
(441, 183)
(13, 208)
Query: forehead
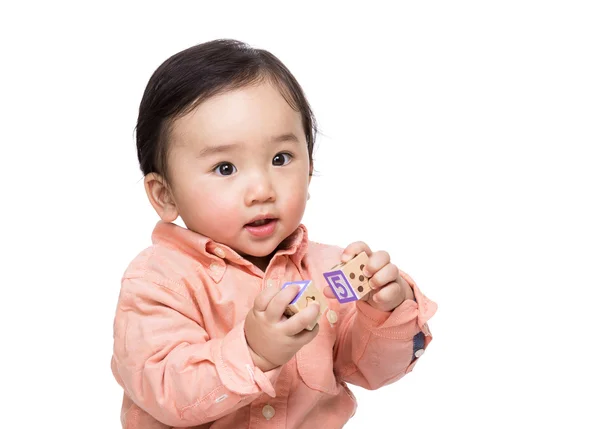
(251, 114)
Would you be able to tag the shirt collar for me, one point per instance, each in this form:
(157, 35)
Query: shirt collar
(208, 251)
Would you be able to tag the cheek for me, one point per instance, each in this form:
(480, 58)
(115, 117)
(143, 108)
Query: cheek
(207, 204)
(222, 205)
(294, 203)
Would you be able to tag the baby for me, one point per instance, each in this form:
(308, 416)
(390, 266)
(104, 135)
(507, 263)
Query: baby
(225, 140)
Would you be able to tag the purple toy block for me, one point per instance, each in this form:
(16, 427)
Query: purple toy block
(303, 285)
(340, 286)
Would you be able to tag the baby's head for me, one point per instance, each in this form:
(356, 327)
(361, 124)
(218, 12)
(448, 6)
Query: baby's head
(225, 138)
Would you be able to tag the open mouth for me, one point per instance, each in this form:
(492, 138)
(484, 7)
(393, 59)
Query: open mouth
(260, 222)
(262, 228)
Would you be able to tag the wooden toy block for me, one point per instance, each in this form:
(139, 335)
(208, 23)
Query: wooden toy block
(308, 293)
(347, 280)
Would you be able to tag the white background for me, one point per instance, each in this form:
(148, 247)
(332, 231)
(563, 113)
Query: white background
(462, 137)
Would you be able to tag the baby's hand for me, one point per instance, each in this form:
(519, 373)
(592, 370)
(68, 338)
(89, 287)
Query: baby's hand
(389, 288)
(274, 339)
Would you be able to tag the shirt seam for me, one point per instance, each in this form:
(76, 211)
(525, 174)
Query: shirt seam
(156, 279)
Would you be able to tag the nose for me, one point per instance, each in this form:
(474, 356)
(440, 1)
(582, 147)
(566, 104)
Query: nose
(260, 189)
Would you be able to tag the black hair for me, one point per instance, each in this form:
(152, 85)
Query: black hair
(191, 76)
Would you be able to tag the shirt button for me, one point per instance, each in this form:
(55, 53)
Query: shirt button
(214, 266)
(332, 316)
(270, 283)
(268, 411)
(419, 353)
(219, 252)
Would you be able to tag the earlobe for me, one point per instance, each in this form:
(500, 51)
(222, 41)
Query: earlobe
(160, 197)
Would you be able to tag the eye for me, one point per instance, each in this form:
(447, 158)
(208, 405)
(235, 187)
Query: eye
(282, 159)
(225, 169)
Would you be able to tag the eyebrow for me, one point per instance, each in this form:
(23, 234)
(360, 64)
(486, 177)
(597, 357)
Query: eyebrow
(211, 150)
(291, 137)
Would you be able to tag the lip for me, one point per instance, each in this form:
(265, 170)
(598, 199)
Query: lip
(262, 231)
(261, 217)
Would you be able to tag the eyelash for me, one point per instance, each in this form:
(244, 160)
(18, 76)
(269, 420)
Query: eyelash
(284, 153)
(219, 165)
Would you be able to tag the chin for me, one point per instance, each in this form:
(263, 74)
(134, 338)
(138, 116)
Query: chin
(262, 250)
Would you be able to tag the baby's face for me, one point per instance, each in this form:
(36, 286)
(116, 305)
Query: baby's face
(240, 156)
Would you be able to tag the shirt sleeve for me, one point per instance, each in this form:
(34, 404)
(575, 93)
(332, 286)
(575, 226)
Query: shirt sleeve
(168, 366)
(375, 348)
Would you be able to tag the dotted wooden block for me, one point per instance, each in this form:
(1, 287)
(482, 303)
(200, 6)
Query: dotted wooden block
(348, 281)
(308, 293)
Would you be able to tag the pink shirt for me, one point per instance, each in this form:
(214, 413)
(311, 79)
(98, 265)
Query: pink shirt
(182, 359)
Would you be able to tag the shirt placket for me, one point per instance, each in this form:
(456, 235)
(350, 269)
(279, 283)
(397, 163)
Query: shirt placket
(267, 412)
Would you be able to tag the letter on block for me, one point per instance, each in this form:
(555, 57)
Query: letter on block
(307, 294)
(347, 281)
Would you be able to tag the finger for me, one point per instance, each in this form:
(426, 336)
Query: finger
(354, 249)
(389, 296)
(367, 296)
(376, 262)
(279, 303)
(387, 274)
(306, 336)
(328, 292)
(299, 321)
(264, 298)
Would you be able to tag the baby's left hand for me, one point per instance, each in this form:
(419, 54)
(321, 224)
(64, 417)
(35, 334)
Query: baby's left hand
(389, 288)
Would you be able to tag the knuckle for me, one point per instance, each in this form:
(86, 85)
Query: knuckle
(383, 256)
(374, 282)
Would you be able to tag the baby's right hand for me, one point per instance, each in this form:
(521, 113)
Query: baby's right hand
(274, 339)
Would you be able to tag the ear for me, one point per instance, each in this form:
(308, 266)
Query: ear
(160, 197)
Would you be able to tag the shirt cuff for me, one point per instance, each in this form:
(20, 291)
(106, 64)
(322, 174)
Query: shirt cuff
(237, 370)
(405, 321)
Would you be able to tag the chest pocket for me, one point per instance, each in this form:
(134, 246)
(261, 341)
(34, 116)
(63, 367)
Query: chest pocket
(315, 360)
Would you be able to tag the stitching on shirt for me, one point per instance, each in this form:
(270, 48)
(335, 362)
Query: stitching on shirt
(143, 263)
(228, 371)
(161, 282)
(154, 278)
(199, 401)
(401, 335)
(395, 332)
(364, 347)
(392, 332)
(301, 365)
